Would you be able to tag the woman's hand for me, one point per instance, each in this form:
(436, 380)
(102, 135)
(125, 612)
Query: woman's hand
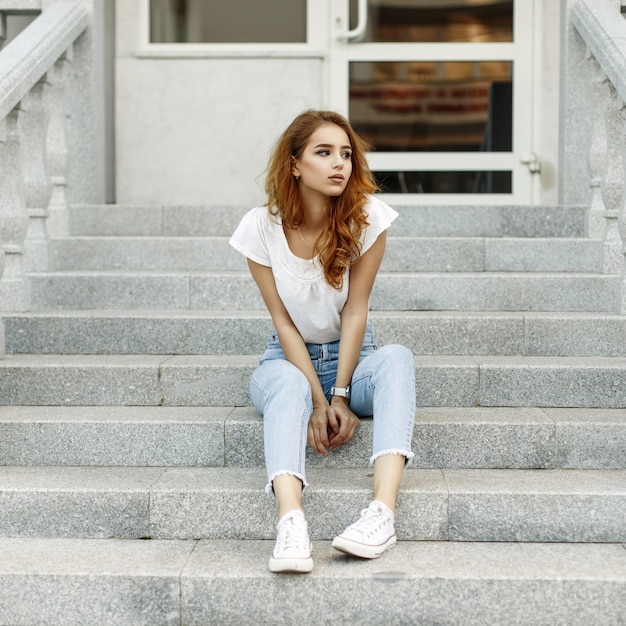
(342, 423)
(331, 427)
(317, 434)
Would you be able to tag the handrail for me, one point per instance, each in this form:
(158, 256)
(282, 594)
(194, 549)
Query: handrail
(605, 37)
(601, 29)
(34, 140)
(35, 50)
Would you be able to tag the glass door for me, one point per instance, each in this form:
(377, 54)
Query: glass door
(443, 91)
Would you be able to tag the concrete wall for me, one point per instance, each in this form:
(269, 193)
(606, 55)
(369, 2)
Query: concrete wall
(575, 120)
(109, 99)
(198, 130)
(547, 100)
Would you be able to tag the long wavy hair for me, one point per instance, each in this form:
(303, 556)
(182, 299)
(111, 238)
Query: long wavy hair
(338, 245)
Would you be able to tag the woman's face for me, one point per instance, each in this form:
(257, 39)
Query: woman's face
(325, 165)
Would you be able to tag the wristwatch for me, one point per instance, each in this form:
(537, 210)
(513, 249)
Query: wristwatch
(344, 392)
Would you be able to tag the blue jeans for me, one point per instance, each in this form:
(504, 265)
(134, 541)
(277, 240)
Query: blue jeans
(383, 385)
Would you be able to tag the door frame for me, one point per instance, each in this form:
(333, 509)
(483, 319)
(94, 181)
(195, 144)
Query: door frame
(521, 52)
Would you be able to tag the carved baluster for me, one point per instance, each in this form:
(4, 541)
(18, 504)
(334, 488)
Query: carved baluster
(613, 184)
(56, 146)
(3, 134)
(37, 183)
(14, 287)
(621, 218)
(597, 149)
(3, 182)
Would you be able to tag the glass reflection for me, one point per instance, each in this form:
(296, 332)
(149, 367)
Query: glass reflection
(430, 21)
(445, 182)
(433, 106)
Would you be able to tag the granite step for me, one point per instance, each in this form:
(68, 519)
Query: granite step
(223, 380)
(199, 332)
(208, 503)
(403, 254)
(482, 291)
(487, 438)
(418, 221)
(67, 582)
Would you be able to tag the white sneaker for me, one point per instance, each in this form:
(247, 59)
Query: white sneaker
(292, 552)
(370, 535)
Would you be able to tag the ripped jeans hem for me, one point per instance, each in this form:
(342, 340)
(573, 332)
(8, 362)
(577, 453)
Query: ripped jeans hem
(405, 453)
(269, 488)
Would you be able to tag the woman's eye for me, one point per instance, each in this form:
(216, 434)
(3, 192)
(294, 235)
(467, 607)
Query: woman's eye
(323, 152)
(347, 155)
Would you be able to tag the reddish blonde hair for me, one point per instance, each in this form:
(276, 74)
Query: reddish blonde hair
(339, 243)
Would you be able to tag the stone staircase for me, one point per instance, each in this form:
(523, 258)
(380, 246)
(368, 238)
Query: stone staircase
(125, 417)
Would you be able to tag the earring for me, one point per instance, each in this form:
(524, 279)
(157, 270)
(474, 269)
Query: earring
(297, 178)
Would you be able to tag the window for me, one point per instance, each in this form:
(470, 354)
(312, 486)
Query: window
(231, 22)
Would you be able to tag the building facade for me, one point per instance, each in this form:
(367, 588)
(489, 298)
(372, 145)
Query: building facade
(463, 101)
(460, 99)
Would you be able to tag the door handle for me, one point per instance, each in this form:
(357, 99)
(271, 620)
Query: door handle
(361, 24)
(533, 163)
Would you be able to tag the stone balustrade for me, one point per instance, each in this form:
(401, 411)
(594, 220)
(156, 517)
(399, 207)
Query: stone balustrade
(36, 98)
(33, 143)
(602, 29)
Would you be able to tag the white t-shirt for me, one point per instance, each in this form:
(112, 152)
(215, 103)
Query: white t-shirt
(313, 305)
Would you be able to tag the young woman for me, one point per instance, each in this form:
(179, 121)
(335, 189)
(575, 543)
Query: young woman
(314, 251)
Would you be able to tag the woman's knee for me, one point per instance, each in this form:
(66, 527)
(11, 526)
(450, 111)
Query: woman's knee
(395, 355)
(275, 379)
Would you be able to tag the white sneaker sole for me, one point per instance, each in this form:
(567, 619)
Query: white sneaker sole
(295, 566)
(362, 550)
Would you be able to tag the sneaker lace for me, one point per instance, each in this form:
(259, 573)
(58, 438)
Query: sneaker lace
(370, 521)
(292, 535)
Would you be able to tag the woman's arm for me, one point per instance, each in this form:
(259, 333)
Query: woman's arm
(290, 339)
(342, 421)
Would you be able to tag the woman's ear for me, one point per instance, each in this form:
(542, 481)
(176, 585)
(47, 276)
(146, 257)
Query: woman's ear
(294, 168)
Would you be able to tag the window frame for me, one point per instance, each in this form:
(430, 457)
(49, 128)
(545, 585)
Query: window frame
(316, 20)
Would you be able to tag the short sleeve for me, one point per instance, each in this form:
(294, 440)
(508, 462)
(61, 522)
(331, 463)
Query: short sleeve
(380, 216)
(250, 237)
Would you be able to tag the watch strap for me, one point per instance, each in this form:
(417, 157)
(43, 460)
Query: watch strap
(343, 392)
